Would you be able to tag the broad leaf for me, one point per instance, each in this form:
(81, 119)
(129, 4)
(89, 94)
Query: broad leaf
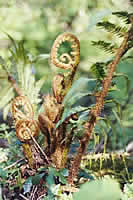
(80, 88)
(106, 189)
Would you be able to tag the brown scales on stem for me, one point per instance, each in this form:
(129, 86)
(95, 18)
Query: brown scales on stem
(95, 112)
(58, 142)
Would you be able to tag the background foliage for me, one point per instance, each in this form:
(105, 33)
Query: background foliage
(37, 24)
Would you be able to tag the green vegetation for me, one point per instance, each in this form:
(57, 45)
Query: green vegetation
(66, 132)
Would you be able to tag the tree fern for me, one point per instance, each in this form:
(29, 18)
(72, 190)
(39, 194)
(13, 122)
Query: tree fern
(106, 46)
(112, 28)
(123, 15)
(98, 70)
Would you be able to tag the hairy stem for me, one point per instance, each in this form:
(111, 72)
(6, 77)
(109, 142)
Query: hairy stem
(95, 112)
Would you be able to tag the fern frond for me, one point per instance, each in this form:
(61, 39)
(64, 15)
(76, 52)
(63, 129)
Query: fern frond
(6, 96)
(130, 44)
(22, 61)
(106, 46)
(98, 69)
(113, 28)
(123, 15)
(21, 69)
(127, 58)
(18, 51)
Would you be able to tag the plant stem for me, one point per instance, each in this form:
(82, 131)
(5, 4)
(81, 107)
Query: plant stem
(95, 112)
(14, 85)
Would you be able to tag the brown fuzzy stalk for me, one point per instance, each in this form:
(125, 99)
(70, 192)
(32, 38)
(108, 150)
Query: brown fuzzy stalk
(95, 112)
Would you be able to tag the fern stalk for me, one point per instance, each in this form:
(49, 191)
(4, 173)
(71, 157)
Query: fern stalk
(95, 112)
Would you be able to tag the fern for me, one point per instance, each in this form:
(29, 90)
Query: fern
(113, 28)
(20, 67)
(98, 69)
(123, 15)
(106, 46)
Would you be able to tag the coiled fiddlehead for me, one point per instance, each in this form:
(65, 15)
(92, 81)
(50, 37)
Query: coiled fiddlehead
(23, 114)
(22, 108)
(25, 128)
(66, 61)
(63, 82)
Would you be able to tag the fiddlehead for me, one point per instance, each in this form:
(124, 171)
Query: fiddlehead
(66, 61)
(53, 106)
(21, 108)
(25, 128)
(22, 112)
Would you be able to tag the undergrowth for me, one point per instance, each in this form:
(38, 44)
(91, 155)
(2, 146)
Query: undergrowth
(48, 155)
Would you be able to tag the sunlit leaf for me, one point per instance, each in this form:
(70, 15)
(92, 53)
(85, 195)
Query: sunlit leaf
(80, 88)
(41, 57)
(106, 189)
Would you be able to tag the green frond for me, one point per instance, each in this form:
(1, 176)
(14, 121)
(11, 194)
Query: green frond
(113, 28)
(98, 69)
(17, 50)
(5, 98)
(123, 15)
(22, 63)
(127, 57)
(106, 46)
(29, 85)
(21, 69)
(130, 44)
(6, 110)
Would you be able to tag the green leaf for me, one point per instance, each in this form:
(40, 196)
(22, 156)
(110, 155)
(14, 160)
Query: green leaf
(6, 96)
(36, 179)
(62, 175)
(2, 61)
(106, 189)
(125, 76)
(6, 110)
(12, 40)
(122, 14)
(98, 69)
(50, 196)
(80, 88)
(3, 173)
(83, 174)
(128, 189)
(69, 111)
(106, 46)
(50, 178)
(41, 57)
(112, 28)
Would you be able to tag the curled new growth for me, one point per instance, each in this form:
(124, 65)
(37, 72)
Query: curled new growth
(66, 61)
(23, 114)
